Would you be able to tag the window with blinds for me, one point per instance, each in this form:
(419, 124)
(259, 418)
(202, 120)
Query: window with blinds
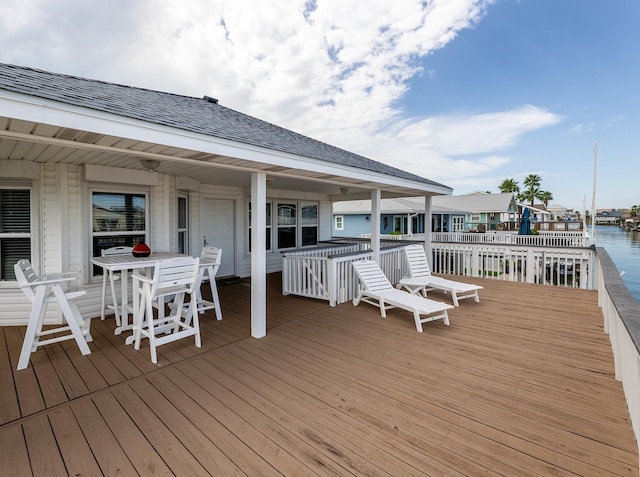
(15, 229)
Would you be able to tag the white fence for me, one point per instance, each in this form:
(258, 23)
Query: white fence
(568, 267)
(556, 238)
(621, 312)
(325, 273)
(543, 239)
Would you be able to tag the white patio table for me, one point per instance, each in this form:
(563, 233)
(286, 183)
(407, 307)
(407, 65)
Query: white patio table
(123, 264)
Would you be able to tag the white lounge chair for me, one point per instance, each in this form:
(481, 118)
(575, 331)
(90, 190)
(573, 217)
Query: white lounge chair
(376, 290)
(421, 280)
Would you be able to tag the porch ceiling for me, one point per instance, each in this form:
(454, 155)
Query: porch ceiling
(22, 140)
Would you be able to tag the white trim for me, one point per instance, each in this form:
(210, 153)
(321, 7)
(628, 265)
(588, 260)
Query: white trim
(39, 110)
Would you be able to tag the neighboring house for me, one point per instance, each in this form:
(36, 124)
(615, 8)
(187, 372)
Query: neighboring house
(538, 213)
(402, 215)
(609, 217)
(485, 211)
(87, 164)
(452, 213)
(560, 212)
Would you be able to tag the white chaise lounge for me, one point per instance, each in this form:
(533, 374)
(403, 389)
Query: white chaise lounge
(376, 290)
(421, 280)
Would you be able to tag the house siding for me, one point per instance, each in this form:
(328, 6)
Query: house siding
(62, 242)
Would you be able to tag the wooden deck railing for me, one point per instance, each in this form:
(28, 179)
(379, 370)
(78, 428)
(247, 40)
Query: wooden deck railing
(622, 322)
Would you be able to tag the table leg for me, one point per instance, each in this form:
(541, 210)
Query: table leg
(124, 302)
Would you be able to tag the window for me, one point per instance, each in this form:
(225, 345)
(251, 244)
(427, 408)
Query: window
(475, 218)
(286, 226)
(183, 224)
(294, 224)
(15, 229)
(119, 219)
(399, 224)
(268, 231)
(416, 225)
(458, 223)
(309, 224)
(339, 222)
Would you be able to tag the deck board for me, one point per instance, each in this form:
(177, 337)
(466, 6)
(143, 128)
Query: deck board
(521, 383)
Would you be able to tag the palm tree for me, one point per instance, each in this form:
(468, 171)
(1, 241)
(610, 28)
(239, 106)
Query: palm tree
(546, 197)
(509, 185)
(532, 188)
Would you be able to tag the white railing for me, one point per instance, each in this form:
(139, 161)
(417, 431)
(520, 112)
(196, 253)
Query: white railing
(621, 312)
(325, 272)
(328, 275)
(568, 267)
(543, 239)
(554, 238)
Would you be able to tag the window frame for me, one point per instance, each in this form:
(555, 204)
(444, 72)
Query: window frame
(301, 229)
(31, 235)
(184, 231)
(99, 189)
(287, 226)
(340, 219)
(273, 225)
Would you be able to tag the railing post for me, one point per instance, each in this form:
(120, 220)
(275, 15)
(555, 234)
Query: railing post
(332, 281)
(475, 261)
(532, 266)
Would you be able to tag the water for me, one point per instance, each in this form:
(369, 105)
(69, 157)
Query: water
(624, 249)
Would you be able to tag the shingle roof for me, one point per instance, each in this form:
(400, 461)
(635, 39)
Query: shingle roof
(478, 202)
(470, 203)
(406, 205)
(199, 115)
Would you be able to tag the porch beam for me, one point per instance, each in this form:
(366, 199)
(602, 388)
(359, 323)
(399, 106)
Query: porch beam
(428, 229)
(258, 255)
(375, 224)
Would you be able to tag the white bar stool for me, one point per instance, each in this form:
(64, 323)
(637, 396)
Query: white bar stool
(42, 290)
(210, 260)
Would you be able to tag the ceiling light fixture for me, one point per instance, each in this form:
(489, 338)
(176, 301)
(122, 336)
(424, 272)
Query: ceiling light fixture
(150, 164)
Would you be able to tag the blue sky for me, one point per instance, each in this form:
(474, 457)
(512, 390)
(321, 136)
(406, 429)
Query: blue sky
(465, 92)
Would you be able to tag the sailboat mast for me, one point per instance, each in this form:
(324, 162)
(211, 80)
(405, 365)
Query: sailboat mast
(593, 197)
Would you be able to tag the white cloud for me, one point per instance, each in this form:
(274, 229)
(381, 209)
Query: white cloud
(331, 69)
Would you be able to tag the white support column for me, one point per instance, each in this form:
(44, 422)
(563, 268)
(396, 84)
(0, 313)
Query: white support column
(375, 224)
(428, 230)
(258, 255)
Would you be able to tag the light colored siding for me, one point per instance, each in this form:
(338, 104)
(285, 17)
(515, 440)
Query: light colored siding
(325, 220)
(354, 226)
(52, 204)
(62, 238)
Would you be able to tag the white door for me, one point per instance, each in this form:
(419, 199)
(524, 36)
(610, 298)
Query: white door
(219, 228)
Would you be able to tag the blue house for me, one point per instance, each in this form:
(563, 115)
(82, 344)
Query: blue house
(401, 216)
(449, 213)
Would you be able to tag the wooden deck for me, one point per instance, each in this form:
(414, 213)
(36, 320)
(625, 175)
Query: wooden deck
(520, 384)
